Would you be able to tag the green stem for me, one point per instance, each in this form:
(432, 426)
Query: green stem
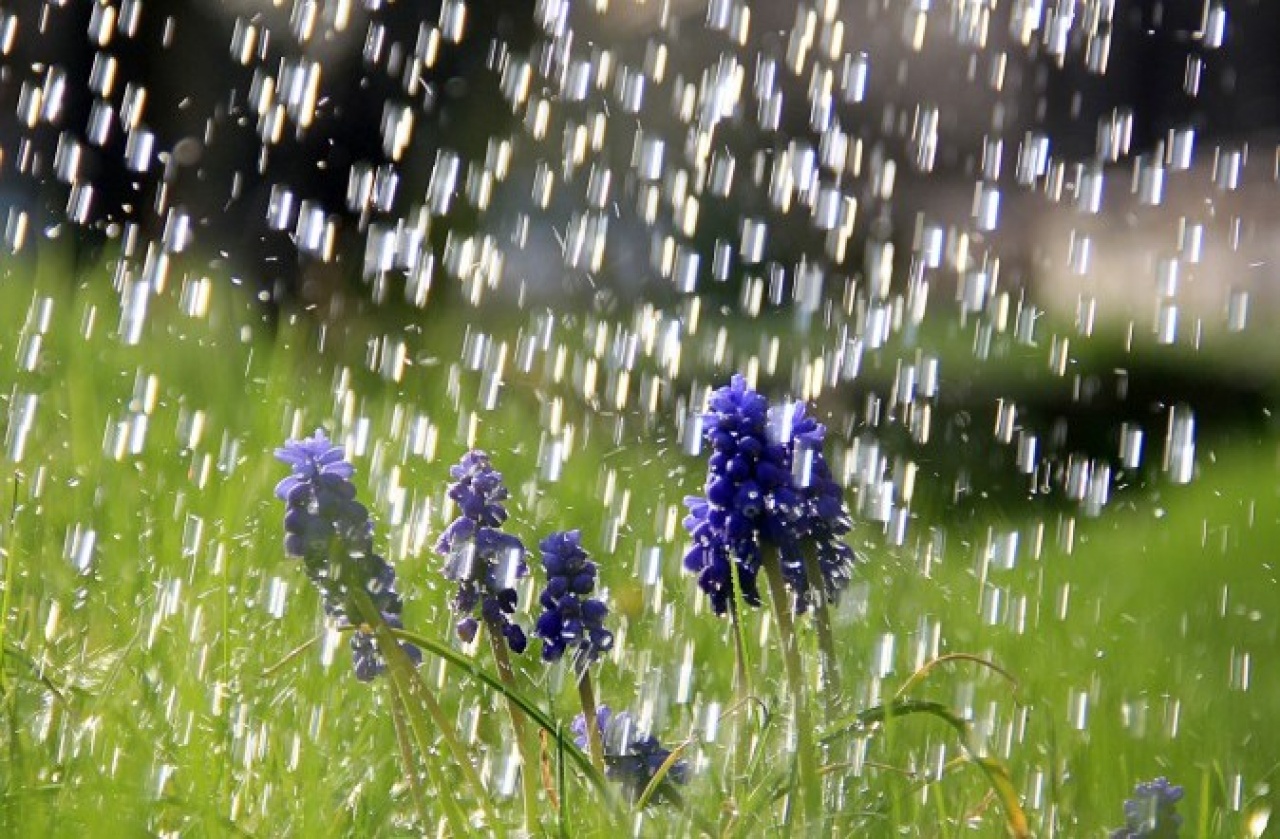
(406, 758)
(8, 556)
(568, 751)
(541, 718)
(562, 788)
(826, 640)
(528, 759)
(566, 748)
(806, 754)
(588, 697)
(742, 672)
(419, 733)
(741, 680)
(415, 695)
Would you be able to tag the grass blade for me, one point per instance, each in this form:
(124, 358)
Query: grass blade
(928, 667)
(996, 772)
(544, 720)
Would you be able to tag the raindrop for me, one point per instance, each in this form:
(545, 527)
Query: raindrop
(1228, 164)
(1002, 550)
(1241, 670)
(1131, 437)
(8, 31)
(1237, 310)
(101, 120)
(882, 657)
(1193, 74)
(986, 207)
(79, 548)
(1180, 445)
(16, 225)
(1078, 709)
(1215, 26)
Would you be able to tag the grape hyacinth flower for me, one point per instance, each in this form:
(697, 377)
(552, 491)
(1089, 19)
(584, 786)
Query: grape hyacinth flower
(571, 620)
(330, 531)
(767, 483)
(480, 558)
(632, 757)
(1150, 814)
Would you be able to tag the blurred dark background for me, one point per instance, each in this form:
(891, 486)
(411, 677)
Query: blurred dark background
(212, 162)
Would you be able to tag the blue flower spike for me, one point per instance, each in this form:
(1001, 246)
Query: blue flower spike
(331, 533)
(485, 562)
(632, 757)
(571, 619)
(771, 505)
(1151, 813)
(768, 483)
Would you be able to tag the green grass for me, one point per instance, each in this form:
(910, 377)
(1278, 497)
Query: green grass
(166, 669)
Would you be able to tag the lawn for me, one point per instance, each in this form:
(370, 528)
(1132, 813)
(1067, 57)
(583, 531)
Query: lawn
(167, 670)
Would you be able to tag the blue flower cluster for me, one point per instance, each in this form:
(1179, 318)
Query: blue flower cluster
(1150, 814)
(330, 531)
(480, 558)
(631, 757)
(570, 618)
(767, 483)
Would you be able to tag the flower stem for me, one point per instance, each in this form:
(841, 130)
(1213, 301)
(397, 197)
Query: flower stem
(566, 748)
(414, 694)
(527, 759)
(826, 641)
(806, 755)
(405, 715)
(587, 694)
(741, 679)
(406, 758)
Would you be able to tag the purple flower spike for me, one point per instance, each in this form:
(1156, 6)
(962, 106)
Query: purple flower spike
(767, 483)
(485, 562)
(631, 756)
(570, 621)
(331, 533)
(1150, 814)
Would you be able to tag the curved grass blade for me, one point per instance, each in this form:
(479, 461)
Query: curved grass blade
(761, 793)
(859, 722)
(37, 675)
(658, 781)
(659, 784)
(527, 706)
(773, 787)
(996, 772)
(296, 652)
(413, 693)
(928, 667)
(998, 776)
(406, 690)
